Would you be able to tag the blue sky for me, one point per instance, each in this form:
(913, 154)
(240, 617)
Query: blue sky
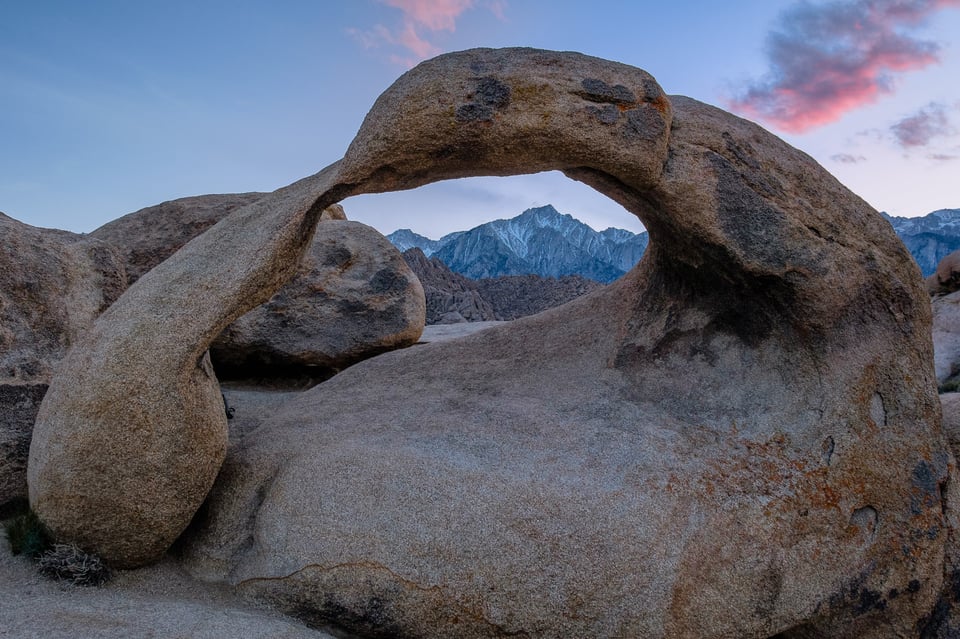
(111, 106)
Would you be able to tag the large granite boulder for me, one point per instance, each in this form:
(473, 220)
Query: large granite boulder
(52, 286)
(352, 297)
(149, 236)
(946, 279)
(740, 438)
(946, 336)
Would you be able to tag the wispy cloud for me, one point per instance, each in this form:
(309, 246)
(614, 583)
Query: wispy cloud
(828, 59)
(847, 158)
(920, 128)
(412, 40)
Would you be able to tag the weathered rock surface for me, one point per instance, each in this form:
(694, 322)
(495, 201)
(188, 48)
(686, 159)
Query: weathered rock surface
(302, 330)
(132, 431)
(946, 279)
(943, 622)
(52, 286)
(151, 235)
(517, 296)
(740, 438)
(352, 297)
(946, 336)
(451, 298)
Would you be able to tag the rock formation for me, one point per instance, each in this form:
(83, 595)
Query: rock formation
(740, 438)
(946, 336)
(451, 298)
(454, 298)
(353, 297)
(946, 279)
(151, 235)
(515, 296)
(52, 286)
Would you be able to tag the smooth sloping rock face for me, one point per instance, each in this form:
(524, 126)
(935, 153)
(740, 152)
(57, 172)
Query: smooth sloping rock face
(53, 284)
(740, 438)
(353, 297)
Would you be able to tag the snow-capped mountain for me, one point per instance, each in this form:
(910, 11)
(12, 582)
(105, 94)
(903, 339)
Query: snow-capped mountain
(539, 241)
(544, 242)
(929, 238)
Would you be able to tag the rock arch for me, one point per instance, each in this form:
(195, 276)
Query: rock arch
(773, 342)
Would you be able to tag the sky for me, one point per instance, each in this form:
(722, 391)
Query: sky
(110, 106)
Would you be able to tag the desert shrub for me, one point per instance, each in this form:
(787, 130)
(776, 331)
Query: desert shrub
(27, 535)
(69, 563)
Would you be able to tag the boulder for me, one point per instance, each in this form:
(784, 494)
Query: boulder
(943, 622)
(740, 438)
(946, 336)
(352, 297)
(946, 279)
(52, 286)
(132, 431)
(350, 270)
(151, 235)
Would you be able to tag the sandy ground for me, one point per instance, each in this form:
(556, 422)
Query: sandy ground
(444, 332)
(159, 602)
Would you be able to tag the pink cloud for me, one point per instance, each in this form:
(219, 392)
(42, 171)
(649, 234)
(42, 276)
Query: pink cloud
(435, 15)
(420, 19)
(829, 59)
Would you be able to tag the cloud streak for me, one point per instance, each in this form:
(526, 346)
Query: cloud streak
(921, 127)
(421, 20)
(829, 59)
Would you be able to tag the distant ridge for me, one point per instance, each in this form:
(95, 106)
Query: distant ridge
(540, 241)
(929, 238)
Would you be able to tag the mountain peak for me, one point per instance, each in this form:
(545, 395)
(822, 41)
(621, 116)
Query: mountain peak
(540, 241)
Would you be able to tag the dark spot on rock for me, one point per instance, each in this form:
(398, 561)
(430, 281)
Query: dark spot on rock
(937, 625)
(348, 307)
(925, 491)
(473, 112)
(651, 91)
(608, 114)
(867, 601)
(387, 281)
(826, 450)
(493, 93)
(337, 257)
(488, 96)
(893, 594)
(599, 91)
(644, 123)
(754, 226)
(914, 586)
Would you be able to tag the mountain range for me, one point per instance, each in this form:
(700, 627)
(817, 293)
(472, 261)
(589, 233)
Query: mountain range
(929, 238)
(542, 241)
